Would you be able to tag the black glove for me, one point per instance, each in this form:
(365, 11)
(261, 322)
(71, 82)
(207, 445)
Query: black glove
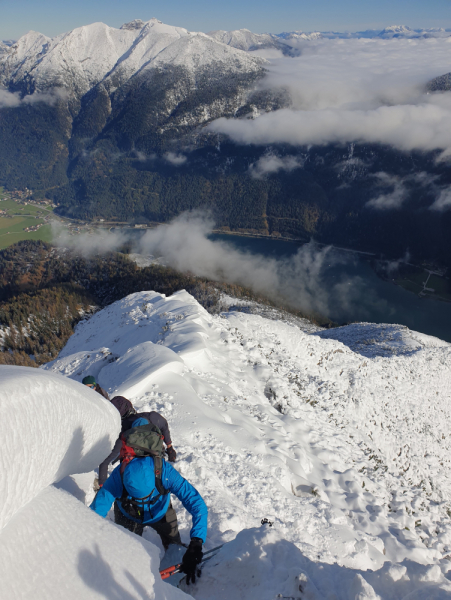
(192, 558)
(172, 454)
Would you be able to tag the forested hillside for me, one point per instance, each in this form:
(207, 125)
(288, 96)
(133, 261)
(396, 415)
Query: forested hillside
(45, 292)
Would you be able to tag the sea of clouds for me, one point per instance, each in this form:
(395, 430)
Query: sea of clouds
(357, 90)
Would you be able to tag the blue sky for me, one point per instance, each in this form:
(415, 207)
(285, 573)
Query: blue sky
(55, 16)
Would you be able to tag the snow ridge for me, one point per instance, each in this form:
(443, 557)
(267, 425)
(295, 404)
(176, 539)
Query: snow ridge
(339, 437)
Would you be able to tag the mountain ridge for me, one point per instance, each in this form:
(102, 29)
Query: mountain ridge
(112, 123)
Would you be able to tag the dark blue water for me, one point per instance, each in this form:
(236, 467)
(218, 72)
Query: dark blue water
(372, 298)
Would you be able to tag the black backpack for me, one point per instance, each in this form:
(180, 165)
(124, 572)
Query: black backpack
(138, 442)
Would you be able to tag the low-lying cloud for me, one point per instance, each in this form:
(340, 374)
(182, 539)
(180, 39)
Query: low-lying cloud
(298, 281)
(13, 99)
(175, 159)
(443, 201)
(270, 163)
(423, 127)
(398, 189)
(89, 244)
(363, 91)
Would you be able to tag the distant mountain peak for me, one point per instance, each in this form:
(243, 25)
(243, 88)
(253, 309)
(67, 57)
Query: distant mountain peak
(396, 29)
(132, 25)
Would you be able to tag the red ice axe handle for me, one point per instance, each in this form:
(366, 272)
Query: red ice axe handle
(166, 573)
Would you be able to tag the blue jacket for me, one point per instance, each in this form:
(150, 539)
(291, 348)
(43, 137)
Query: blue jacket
(139, 480)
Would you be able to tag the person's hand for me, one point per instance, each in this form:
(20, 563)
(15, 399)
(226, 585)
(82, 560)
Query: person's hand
(97, 485)
(191, 559)
(172, 454)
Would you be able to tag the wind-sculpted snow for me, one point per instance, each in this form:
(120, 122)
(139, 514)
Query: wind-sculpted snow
(56, 548)
(51, 545)
(342, 443)
(51, 427)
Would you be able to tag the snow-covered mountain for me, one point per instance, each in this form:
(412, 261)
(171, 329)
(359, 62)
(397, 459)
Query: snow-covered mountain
(300, 35)
(83, 57)
(402, 31)
(390, 32)
(339, 437)
(243, 39)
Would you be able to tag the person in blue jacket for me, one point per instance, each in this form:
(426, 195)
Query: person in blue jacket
(137, 487)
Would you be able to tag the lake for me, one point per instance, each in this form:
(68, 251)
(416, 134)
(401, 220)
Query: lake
(373, 299)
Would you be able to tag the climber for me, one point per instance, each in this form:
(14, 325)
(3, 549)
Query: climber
(130, 418)
(142, 496)
(90, 381)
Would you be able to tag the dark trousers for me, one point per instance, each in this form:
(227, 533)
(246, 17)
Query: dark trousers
(167, 527)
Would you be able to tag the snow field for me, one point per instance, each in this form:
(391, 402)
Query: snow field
(343, 444)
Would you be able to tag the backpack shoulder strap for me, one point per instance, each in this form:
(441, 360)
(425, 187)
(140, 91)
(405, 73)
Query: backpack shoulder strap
(158, 469)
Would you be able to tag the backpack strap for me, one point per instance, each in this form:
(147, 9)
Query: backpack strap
(127, 500)
(158, 470)
(135, 507)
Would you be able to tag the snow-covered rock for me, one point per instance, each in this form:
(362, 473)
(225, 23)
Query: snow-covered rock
(343, 445)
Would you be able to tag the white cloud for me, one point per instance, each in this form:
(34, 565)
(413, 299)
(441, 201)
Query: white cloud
(175, 159)
(270, 163)
(406, 127)
(363, 91)
(89, 244)
(297, 280)
(9, 100)
(443, 202)
(13, 100)
(399, 188)
(142, 157)
(393, 199)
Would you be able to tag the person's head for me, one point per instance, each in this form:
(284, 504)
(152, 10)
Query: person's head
(90, 381)
(124, 406)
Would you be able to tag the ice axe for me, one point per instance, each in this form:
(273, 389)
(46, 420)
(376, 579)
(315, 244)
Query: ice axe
(166, 573)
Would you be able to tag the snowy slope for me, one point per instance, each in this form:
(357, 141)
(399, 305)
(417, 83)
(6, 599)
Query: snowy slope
(243, 39)
(51, 545)
(199, 51)
(22, 56)
(76, 60)
(344, 446)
